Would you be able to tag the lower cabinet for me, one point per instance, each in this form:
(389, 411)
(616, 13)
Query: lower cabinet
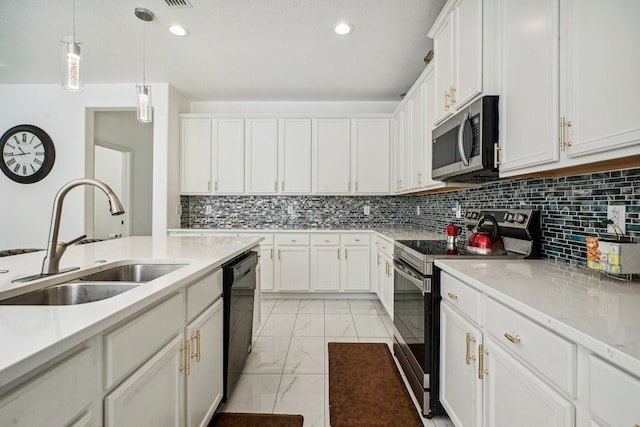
(62, 395)
(341, 262)
(514, 396)
(460, 387)
(153, 395)
(613, 395)
(384, 273)
(292, 268)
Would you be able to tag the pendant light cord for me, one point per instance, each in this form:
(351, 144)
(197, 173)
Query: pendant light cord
(74, 21)
(144, 50)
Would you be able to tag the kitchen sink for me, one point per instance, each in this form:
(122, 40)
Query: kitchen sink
(132, 273)
(71, 293)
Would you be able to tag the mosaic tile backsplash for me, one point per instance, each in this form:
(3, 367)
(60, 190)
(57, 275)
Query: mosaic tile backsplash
(572, 208)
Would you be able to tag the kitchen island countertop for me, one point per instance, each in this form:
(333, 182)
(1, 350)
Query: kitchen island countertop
(32, 335)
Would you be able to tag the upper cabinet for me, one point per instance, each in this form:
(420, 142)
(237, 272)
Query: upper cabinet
(458, 44)
(370, 139)
(560, 106)
(195, 156)
(331, 153)
(295, 156)
(261, 155)
(228, 156)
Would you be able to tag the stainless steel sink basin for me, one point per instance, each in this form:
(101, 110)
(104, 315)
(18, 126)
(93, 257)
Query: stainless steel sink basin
(70, 293)
(132, 273)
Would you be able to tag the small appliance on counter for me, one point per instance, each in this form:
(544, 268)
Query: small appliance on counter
(496, 234)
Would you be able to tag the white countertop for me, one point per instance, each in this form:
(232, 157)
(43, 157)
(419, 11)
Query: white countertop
(31, 335)
(599, 313)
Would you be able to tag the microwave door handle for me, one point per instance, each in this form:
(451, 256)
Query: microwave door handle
(461, 130)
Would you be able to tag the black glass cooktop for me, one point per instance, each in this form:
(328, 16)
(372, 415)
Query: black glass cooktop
(435, 247)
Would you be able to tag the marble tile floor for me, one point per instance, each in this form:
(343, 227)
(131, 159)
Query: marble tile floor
(287, 370)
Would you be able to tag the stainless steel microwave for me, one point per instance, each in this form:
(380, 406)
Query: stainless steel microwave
(464, 145)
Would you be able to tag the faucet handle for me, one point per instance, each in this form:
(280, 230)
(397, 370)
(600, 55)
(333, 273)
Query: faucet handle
(76, 240)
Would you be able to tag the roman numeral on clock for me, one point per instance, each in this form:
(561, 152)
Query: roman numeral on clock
(37, 161)
(10, 162)
(16, 168)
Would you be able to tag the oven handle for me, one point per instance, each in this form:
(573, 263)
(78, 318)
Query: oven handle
(400, 269)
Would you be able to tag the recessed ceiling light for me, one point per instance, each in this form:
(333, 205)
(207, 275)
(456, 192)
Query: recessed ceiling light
(343, 28)
(179, 31)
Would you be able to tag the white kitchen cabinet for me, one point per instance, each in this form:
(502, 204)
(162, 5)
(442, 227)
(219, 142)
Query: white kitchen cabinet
(295, 156)
(261, 144)
(416, 159)
(613, 394)
(154, 394)
(460, 387)
(292, 264)
(370, 156)
(384, 272)
(325, 262)
(399, 149)
(332, 156)
(429, 120)
(356, 274)
(266, 267)
(458, 44)
(515, 396)
(195, 156)
(587, 116)
(204, 387)
(228, 156)
(60, 396)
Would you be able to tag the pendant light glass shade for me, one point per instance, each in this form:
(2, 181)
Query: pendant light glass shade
(143, 107)
(71, 60)
(143, 90)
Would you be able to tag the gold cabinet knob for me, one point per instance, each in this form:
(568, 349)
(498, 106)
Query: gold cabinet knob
(452, 295)
(511, 338)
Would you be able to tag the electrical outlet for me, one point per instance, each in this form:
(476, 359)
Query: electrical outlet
(617, 214)
(290, 209)
(367, 209)
(207, 210)
(417, 210)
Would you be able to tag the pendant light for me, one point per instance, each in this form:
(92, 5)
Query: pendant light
(71, 55)
(143, 90)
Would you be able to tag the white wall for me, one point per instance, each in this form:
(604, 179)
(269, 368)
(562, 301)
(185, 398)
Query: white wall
(25, 209)
(247, 107)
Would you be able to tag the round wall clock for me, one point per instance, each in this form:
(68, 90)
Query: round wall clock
(28, 154)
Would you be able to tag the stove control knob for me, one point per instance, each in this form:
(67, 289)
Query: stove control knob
(474, 215)
(469, 214)
(520, 218)
(508, 217)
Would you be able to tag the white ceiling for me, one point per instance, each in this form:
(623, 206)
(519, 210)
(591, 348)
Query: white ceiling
(238, 50)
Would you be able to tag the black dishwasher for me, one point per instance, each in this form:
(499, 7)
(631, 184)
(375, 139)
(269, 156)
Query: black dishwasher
(239, 285)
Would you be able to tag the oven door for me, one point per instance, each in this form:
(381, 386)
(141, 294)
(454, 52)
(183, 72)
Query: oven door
(411, 317)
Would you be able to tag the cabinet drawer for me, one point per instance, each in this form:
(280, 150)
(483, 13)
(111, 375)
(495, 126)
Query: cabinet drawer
(547, 352)
(325, 239)
(355, 239)
(461, 296)
(384, 245)
(292, 239)
(55, 398)
(129, 346)
(613, 394)
(203, 293)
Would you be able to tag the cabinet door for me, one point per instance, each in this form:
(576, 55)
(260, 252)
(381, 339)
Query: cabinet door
(195, 156)
(204, 383)
(295, 156)
(601, 96)
(266, 268)
(384, 281)
(398, 150)
(371, 155)
(356, 274)
(460, 388)
(443, 48)
(468, 52)
(228, 156)
(325, 268)
(528, 63)
(262, 155)
(332, 150)
(153, 395)
(514, 396)
(292, 268)
(429, 112)
(416, 161)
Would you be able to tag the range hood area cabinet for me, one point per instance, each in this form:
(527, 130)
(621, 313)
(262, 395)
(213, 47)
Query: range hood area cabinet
(275, 155)
(569, 83)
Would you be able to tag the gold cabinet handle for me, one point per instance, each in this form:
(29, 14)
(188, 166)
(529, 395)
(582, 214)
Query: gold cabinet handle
(496, 155)
(278, 253)
(469, 357)
(386, 268)
(452, 295)
(481, 353)
(564, 125)
(511, 338)
(453, 95)
(378, 262)
(186, 366)
(345, 253)
(215, 186)
(419, 177)
(447, 97)
(282, 186)
(271, 253)
(208, 185)
(196, 337)
(338, 253)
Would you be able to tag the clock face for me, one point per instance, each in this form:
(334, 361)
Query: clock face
(28, 154)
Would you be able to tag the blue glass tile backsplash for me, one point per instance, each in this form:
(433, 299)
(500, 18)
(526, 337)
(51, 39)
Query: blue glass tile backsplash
(572, 208)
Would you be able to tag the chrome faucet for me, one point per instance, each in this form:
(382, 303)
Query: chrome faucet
(55, 249)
